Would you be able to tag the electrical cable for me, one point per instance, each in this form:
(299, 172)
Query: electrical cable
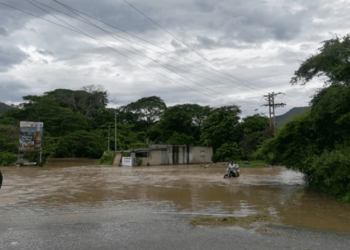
(132, 52)
(108, 47)
(222, 71)
(162, 64)
(154, 45)
(102, 42)
(79, 31)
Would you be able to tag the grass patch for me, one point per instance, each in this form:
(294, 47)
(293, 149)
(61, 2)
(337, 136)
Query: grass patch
(245, 222)
(252, 164)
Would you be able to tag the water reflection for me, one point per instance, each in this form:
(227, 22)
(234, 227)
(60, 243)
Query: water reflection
(186, 189)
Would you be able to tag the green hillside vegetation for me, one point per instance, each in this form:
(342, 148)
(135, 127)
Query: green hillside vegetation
(317, 142)
(281, 119)
(3, 108)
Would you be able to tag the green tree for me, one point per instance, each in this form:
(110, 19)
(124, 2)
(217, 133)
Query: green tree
(81, 144)
(228, 152)
(332, 61)
(87, 101)
(254, 123)
(144, 112)
(317, 142)
(183, 139)
(57, 120)
(221, 126)
(184, 119)
(8, 138)
(254, 132)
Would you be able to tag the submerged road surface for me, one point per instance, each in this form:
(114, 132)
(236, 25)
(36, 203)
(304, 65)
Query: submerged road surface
(78, 205)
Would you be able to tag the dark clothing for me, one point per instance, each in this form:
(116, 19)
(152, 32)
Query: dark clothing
(0, 179)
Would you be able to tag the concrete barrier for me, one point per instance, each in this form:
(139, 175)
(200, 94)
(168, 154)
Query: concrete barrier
(117, 159)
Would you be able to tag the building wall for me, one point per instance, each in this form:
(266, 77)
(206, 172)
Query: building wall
(154, 158)
(196, 155)
(201, 154)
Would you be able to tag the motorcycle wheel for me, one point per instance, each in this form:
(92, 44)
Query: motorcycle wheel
(225, 176)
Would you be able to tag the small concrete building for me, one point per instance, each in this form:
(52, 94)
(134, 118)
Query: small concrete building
(160, 154)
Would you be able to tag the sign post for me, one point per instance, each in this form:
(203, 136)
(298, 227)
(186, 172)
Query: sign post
(31, 137)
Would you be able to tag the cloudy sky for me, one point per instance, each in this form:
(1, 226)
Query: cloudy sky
(184, 51)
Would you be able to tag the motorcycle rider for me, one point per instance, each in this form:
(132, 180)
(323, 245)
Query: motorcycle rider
(234, 167)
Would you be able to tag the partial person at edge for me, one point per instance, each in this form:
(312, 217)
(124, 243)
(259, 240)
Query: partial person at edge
(0, 179)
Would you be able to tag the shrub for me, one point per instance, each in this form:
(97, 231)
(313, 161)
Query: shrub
(139, 162)
(330, 173)
(227, 152)
(107, 158)
(7, 158)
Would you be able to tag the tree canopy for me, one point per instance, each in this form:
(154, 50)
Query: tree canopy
(78, 123)
(317, 142)
(333, 61)
(144, 112)
(221, 126)
(183, 119)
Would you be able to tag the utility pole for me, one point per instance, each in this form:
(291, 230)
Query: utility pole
(115, 132)
(272, 105)
(109, 132)
(268, 98)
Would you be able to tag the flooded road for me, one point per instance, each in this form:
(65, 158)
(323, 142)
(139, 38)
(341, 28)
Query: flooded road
(81, 186)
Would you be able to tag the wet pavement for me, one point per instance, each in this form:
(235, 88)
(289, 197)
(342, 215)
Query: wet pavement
(76, 204)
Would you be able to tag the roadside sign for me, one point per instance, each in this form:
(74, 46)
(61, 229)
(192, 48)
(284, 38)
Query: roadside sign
(30, 136)
(126, 161)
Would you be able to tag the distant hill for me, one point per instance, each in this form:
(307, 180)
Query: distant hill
(3, 108)
(281, 119)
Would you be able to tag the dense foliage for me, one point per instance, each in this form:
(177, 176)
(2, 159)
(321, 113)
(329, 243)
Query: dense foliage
(6, 158)
(228, 152)
(332, 62)
(77, 123)
(318, 141)
(107, 158)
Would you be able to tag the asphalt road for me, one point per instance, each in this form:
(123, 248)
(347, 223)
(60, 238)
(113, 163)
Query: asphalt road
(137, 225)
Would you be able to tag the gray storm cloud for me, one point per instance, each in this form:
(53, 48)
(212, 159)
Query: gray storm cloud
(258, 44)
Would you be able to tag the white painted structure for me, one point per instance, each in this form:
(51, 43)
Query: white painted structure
(127, 162)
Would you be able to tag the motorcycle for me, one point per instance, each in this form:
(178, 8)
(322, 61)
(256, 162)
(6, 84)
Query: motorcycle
(231, 172)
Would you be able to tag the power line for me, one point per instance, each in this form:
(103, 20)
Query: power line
(162, 64)
(102, 42)
(222, 71)
(108, 47)
(270, 98)
(89, 23)
(239, 81)
(140, 53)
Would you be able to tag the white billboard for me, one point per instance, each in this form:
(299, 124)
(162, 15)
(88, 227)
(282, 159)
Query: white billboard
(30, 136)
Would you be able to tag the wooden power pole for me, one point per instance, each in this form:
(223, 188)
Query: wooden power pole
(270, 98)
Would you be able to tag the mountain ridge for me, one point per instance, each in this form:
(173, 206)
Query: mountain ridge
(3, 108)
(281, 119)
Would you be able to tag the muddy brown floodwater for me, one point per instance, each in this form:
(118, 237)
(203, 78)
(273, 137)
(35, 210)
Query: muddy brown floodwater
(186, 189)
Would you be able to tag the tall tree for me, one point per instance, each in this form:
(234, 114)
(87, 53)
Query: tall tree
(221, 126)
(185, 119)
(144, 112)
(255, 129)
(333, 61)
(87, 101)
